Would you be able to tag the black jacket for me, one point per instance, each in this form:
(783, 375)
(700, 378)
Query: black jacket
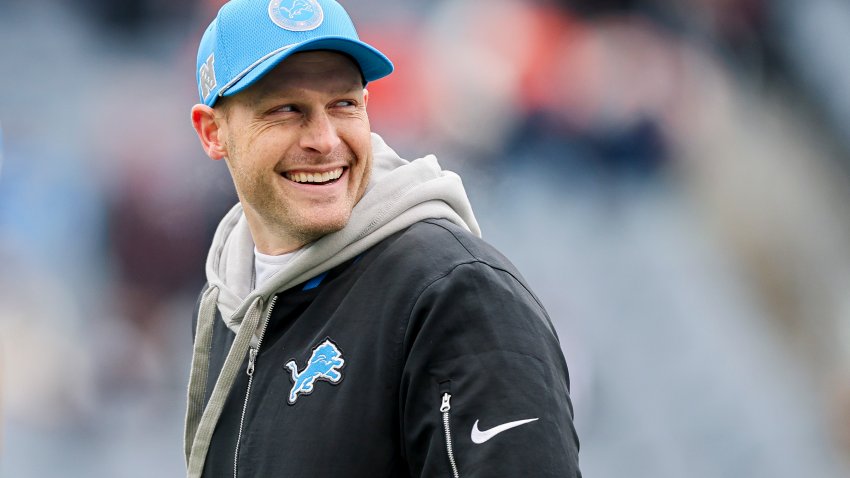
(384, 366)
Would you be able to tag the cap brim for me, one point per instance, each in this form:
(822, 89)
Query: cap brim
(373, 64)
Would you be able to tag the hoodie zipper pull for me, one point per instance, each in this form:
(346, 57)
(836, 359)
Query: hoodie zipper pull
(252, 359)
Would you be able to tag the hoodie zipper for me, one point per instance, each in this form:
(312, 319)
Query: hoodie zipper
(252, 362)
(445, 408)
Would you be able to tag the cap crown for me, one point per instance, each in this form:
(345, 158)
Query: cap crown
(249, 37)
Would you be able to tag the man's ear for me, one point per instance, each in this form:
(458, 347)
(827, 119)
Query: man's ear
(209, 129)
(365, 97)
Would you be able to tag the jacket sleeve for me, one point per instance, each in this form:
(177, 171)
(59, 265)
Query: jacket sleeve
(485, 387)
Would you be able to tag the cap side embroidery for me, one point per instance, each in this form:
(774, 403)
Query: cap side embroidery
(207, 76)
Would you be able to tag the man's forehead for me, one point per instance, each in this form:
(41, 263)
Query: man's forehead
(335, 70)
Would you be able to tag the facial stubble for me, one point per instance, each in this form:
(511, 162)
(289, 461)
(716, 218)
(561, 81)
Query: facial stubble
(259, 193)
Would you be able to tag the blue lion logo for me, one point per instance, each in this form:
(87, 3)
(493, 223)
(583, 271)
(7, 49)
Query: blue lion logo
(324, 364)
(302, 15)
(298, 8)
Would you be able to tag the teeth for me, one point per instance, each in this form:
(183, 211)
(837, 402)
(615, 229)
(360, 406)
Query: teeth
(315, 177)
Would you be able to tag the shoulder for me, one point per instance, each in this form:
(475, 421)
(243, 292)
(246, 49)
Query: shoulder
(436, 254)
(439, 244)
(466, 296)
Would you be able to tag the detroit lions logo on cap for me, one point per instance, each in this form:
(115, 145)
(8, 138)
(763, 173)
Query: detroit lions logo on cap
(296, 15)
(324, 364)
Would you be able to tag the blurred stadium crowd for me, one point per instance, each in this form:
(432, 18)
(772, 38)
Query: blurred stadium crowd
(670, 175)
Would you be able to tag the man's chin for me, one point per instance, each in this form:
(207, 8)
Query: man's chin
(313, 230)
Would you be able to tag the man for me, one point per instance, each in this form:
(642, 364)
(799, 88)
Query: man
(353, 324)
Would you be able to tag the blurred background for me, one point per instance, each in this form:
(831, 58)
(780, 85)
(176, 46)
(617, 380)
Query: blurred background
(671, 176)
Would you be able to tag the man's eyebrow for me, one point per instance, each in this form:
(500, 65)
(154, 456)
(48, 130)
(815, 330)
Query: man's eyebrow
(269, 93)
(347, 89)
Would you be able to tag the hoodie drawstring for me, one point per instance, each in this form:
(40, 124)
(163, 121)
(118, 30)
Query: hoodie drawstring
(200, 367)
(200, 420)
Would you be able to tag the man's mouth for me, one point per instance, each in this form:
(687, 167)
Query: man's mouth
(326, 177)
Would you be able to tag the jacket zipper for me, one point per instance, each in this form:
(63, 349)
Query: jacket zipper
(445, 407)
(252, 362)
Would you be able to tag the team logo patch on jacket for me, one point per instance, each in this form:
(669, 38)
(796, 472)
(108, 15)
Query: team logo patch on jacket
(324, 364)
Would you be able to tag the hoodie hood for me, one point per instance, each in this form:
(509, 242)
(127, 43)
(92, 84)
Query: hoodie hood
(399, 194)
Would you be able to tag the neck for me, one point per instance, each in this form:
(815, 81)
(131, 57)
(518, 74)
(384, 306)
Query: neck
(269, 240)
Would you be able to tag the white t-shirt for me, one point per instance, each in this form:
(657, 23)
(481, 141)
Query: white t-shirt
(265, 266)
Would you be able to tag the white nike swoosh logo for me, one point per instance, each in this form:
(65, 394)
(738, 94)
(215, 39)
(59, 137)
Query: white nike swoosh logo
(480, 437)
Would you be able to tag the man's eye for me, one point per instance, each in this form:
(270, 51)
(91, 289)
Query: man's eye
(344, 103)
(286, 109)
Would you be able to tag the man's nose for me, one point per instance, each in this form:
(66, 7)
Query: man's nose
(319, 134)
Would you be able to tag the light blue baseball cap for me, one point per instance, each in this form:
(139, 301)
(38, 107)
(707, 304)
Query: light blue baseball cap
(248, 38)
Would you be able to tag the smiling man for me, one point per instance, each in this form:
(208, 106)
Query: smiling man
(353, 324)
(297, 143)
